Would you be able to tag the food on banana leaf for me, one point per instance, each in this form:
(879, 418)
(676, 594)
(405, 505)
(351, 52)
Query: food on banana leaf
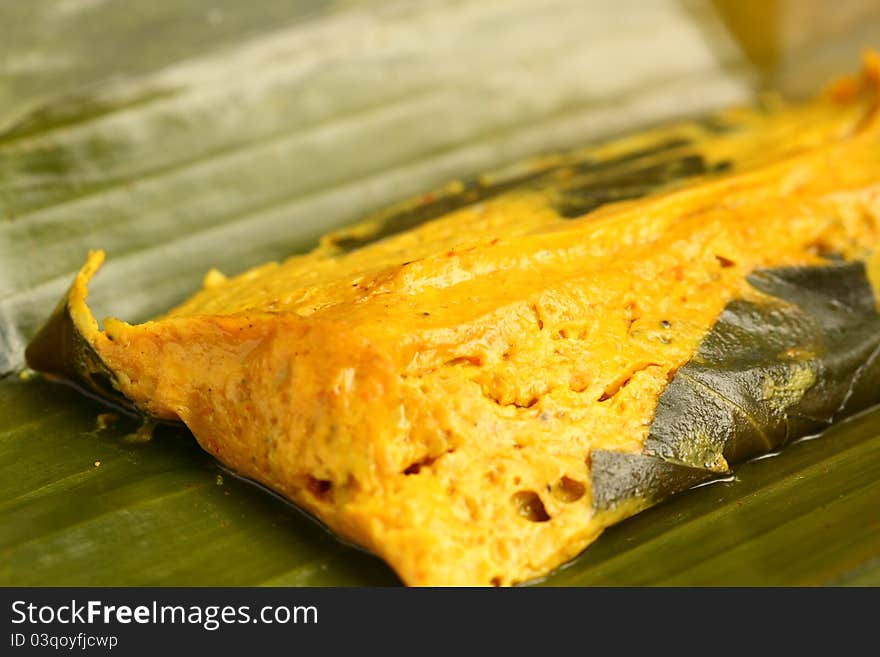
(475, 383)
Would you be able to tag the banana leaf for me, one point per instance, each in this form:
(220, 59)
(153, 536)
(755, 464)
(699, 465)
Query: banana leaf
(184, 137)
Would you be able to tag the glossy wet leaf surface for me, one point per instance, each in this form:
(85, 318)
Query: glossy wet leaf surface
(180, 136)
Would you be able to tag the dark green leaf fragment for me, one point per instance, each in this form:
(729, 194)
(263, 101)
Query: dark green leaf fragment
(625, 183)
(767, 373)
(618, 476)
(580, 182)
(60, 350)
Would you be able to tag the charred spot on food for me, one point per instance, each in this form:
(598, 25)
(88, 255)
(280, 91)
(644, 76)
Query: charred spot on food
(322, 489)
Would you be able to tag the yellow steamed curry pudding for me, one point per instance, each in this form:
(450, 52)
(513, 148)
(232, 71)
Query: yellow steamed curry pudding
(435, 392)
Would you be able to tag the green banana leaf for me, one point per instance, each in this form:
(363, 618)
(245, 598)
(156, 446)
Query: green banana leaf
(184, 135)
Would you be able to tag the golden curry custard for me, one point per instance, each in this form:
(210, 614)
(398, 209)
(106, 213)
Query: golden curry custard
(475, 383)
